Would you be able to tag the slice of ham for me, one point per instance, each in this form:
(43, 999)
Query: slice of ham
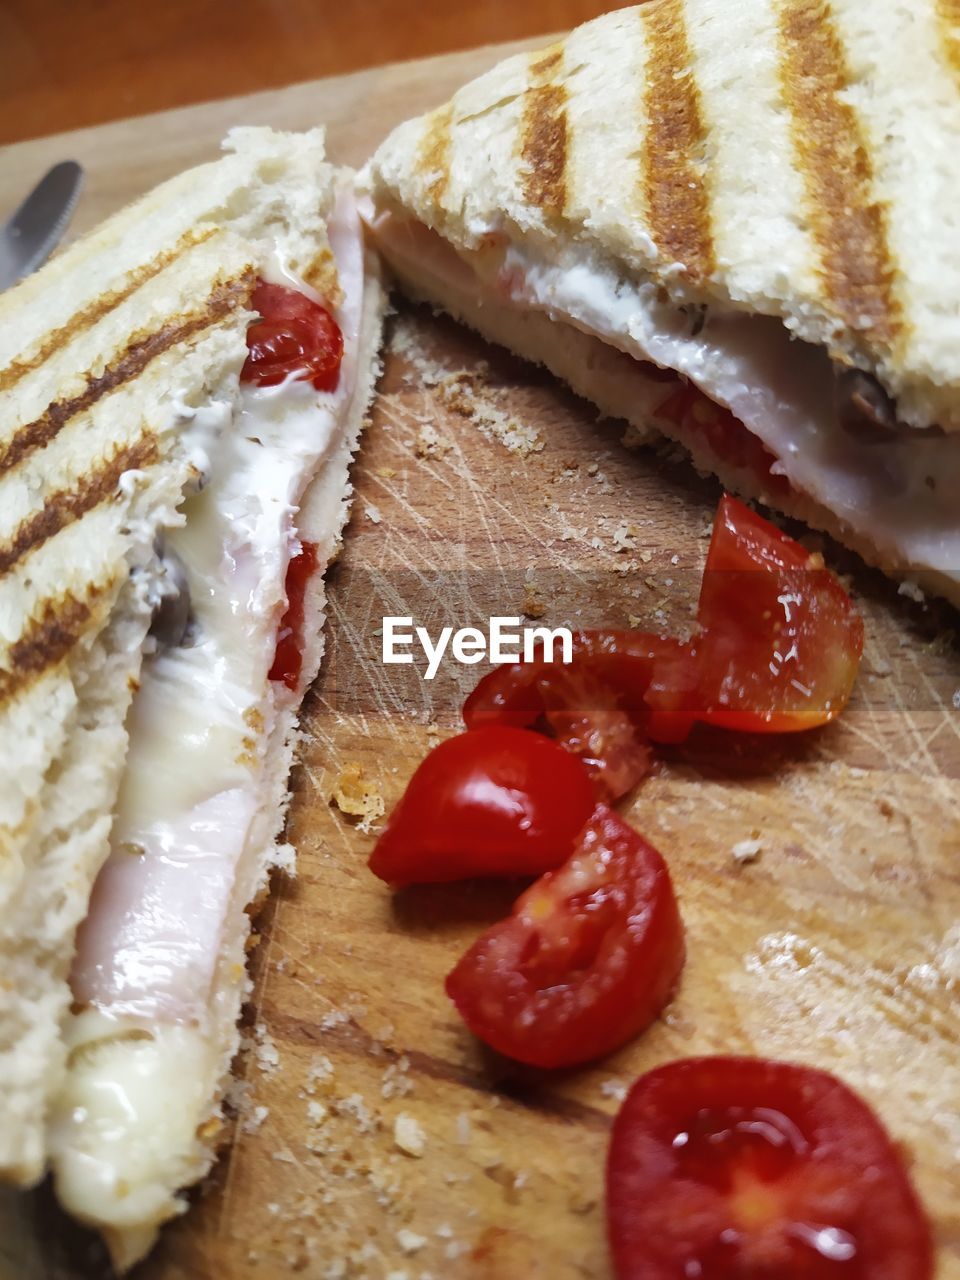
(149, 946)
(146, 949)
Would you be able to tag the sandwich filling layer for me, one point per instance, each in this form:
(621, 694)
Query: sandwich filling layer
(897, 490)
(190, 811)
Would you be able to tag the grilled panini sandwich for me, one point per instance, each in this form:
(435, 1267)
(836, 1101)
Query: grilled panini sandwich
(167, 510)
(760, 196)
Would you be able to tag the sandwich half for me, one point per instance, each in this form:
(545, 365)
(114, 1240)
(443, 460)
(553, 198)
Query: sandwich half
(760, 197)
(181, 394)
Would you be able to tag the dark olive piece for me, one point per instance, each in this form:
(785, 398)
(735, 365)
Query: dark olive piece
(171, 617)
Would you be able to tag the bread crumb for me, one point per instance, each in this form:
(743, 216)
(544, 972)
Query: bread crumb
(614, 1089)
(746, 850)
(386, 473)
(317, 1112)
(319, 1072)
(430, 443)
(409, 1241)
(396, 1082)
(357, 796)
(264, 1050)
(911, 591)
(533, 606)
(624, 538)
(255, 1119)
(463, 393)
(409, 1136)
(356, 1107)
(373, 513)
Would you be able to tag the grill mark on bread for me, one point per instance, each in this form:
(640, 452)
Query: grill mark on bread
(434, 153)
(848, 224)
(673, 160)
(67, 505)
(543, 148)
(142, 348)
(948, 13)
(46, 640)
(100, 307)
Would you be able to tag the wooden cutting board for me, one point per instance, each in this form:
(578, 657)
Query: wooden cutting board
(482, 487)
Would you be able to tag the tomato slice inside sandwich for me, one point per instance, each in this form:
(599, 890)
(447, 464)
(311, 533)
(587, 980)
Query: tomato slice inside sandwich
(745, 1169)
(294, 337)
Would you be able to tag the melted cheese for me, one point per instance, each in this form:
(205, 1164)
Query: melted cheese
(201, 718)
(131, 1096)
(143, 1062)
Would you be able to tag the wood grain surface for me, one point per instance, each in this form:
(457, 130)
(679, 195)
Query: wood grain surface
(482, 487)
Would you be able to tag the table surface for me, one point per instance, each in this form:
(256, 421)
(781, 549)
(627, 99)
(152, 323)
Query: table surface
(64, 65)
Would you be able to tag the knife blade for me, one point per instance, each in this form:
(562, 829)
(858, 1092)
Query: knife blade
(34, 230)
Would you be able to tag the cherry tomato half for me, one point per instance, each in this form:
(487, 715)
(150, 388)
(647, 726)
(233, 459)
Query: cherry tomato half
(781, 639)
(498, 802)
(294, 335)
(744, 1169)
(586, 961)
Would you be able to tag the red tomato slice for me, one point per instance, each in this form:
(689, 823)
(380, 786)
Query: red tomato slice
(781, 639)
(779, 652)
(588, 958)
(497, 802)
(295, 335)
(743, 1169)
(585, 716)
(288, 657)
(610, 671)
(699, 418)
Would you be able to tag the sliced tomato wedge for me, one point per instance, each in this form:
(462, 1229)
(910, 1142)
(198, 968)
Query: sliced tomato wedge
(603, 705)
(498, 802)
(294, 336)
(745, 1169)
(585, 716)
(781, 641)
(588, 958)
(778, 652)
